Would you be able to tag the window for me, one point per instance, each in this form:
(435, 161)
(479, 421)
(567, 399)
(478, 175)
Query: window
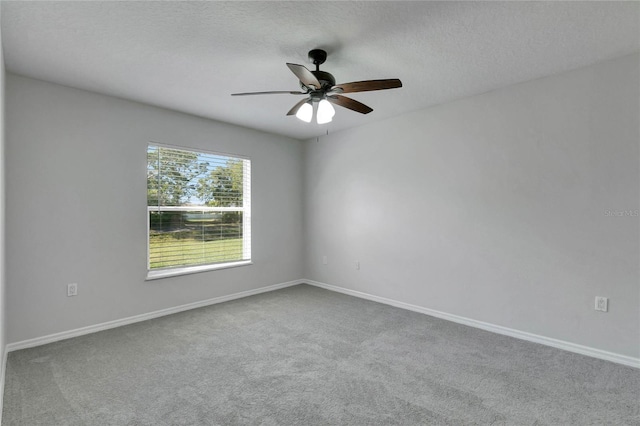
(199, 211)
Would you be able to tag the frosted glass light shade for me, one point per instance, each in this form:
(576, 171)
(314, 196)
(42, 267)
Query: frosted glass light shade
(305, 112)
(325, 112)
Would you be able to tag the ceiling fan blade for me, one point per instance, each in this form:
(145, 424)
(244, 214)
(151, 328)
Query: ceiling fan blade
(304, 75)
(269, 93)
(368, 85)
(349, 103)
(297, 106)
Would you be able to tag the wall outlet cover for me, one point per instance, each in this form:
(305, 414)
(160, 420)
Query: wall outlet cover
(602, 304)
(72, 289)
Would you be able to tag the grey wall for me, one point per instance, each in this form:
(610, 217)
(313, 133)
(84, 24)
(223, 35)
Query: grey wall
(493, 208)
(76, 208)
(3, 322)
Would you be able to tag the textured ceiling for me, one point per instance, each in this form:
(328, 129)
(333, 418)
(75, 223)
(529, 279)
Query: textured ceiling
(190, 56)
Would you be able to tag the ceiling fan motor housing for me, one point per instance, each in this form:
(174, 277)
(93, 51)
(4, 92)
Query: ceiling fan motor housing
(326, 79)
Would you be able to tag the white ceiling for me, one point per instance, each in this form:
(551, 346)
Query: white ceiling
(190, 56)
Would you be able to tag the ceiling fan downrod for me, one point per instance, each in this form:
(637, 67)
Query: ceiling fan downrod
(317, 57)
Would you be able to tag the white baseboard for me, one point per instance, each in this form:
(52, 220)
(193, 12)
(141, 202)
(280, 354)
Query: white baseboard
(38, 341)
(560, 344)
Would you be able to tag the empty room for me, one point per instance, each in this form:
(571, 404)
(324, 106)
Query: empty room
(319, 213)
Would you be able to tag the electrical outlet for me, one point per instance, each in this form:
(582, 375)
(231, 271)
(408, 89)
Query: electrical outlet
(324, 260)
(357, 265)
(72, 289)
(602, 304)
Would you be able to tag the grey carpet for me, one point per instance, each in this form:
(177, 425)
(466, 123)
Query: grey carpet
(306, 356)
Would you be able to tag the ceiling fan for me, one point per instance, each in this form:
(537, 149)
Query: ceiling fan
(321, 88)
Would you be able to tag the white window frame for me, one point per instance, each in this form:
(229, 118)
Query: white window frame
(153, 274)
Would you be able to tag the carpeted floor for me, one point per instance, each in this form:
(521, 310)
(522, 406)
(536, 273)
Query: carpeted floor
(307, 356)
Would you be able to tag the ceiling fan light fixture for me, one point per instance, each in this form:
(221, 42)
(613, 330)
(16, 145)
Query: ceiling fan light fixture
(325, 112)
(305, 113)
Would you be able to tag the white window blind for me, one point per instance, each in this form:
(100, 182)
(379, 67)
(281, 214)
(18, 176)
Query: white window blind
(199, 209)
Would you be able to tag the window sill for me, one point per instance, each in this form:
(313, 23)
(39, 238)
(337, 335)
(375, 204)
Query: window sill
(165, 273)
